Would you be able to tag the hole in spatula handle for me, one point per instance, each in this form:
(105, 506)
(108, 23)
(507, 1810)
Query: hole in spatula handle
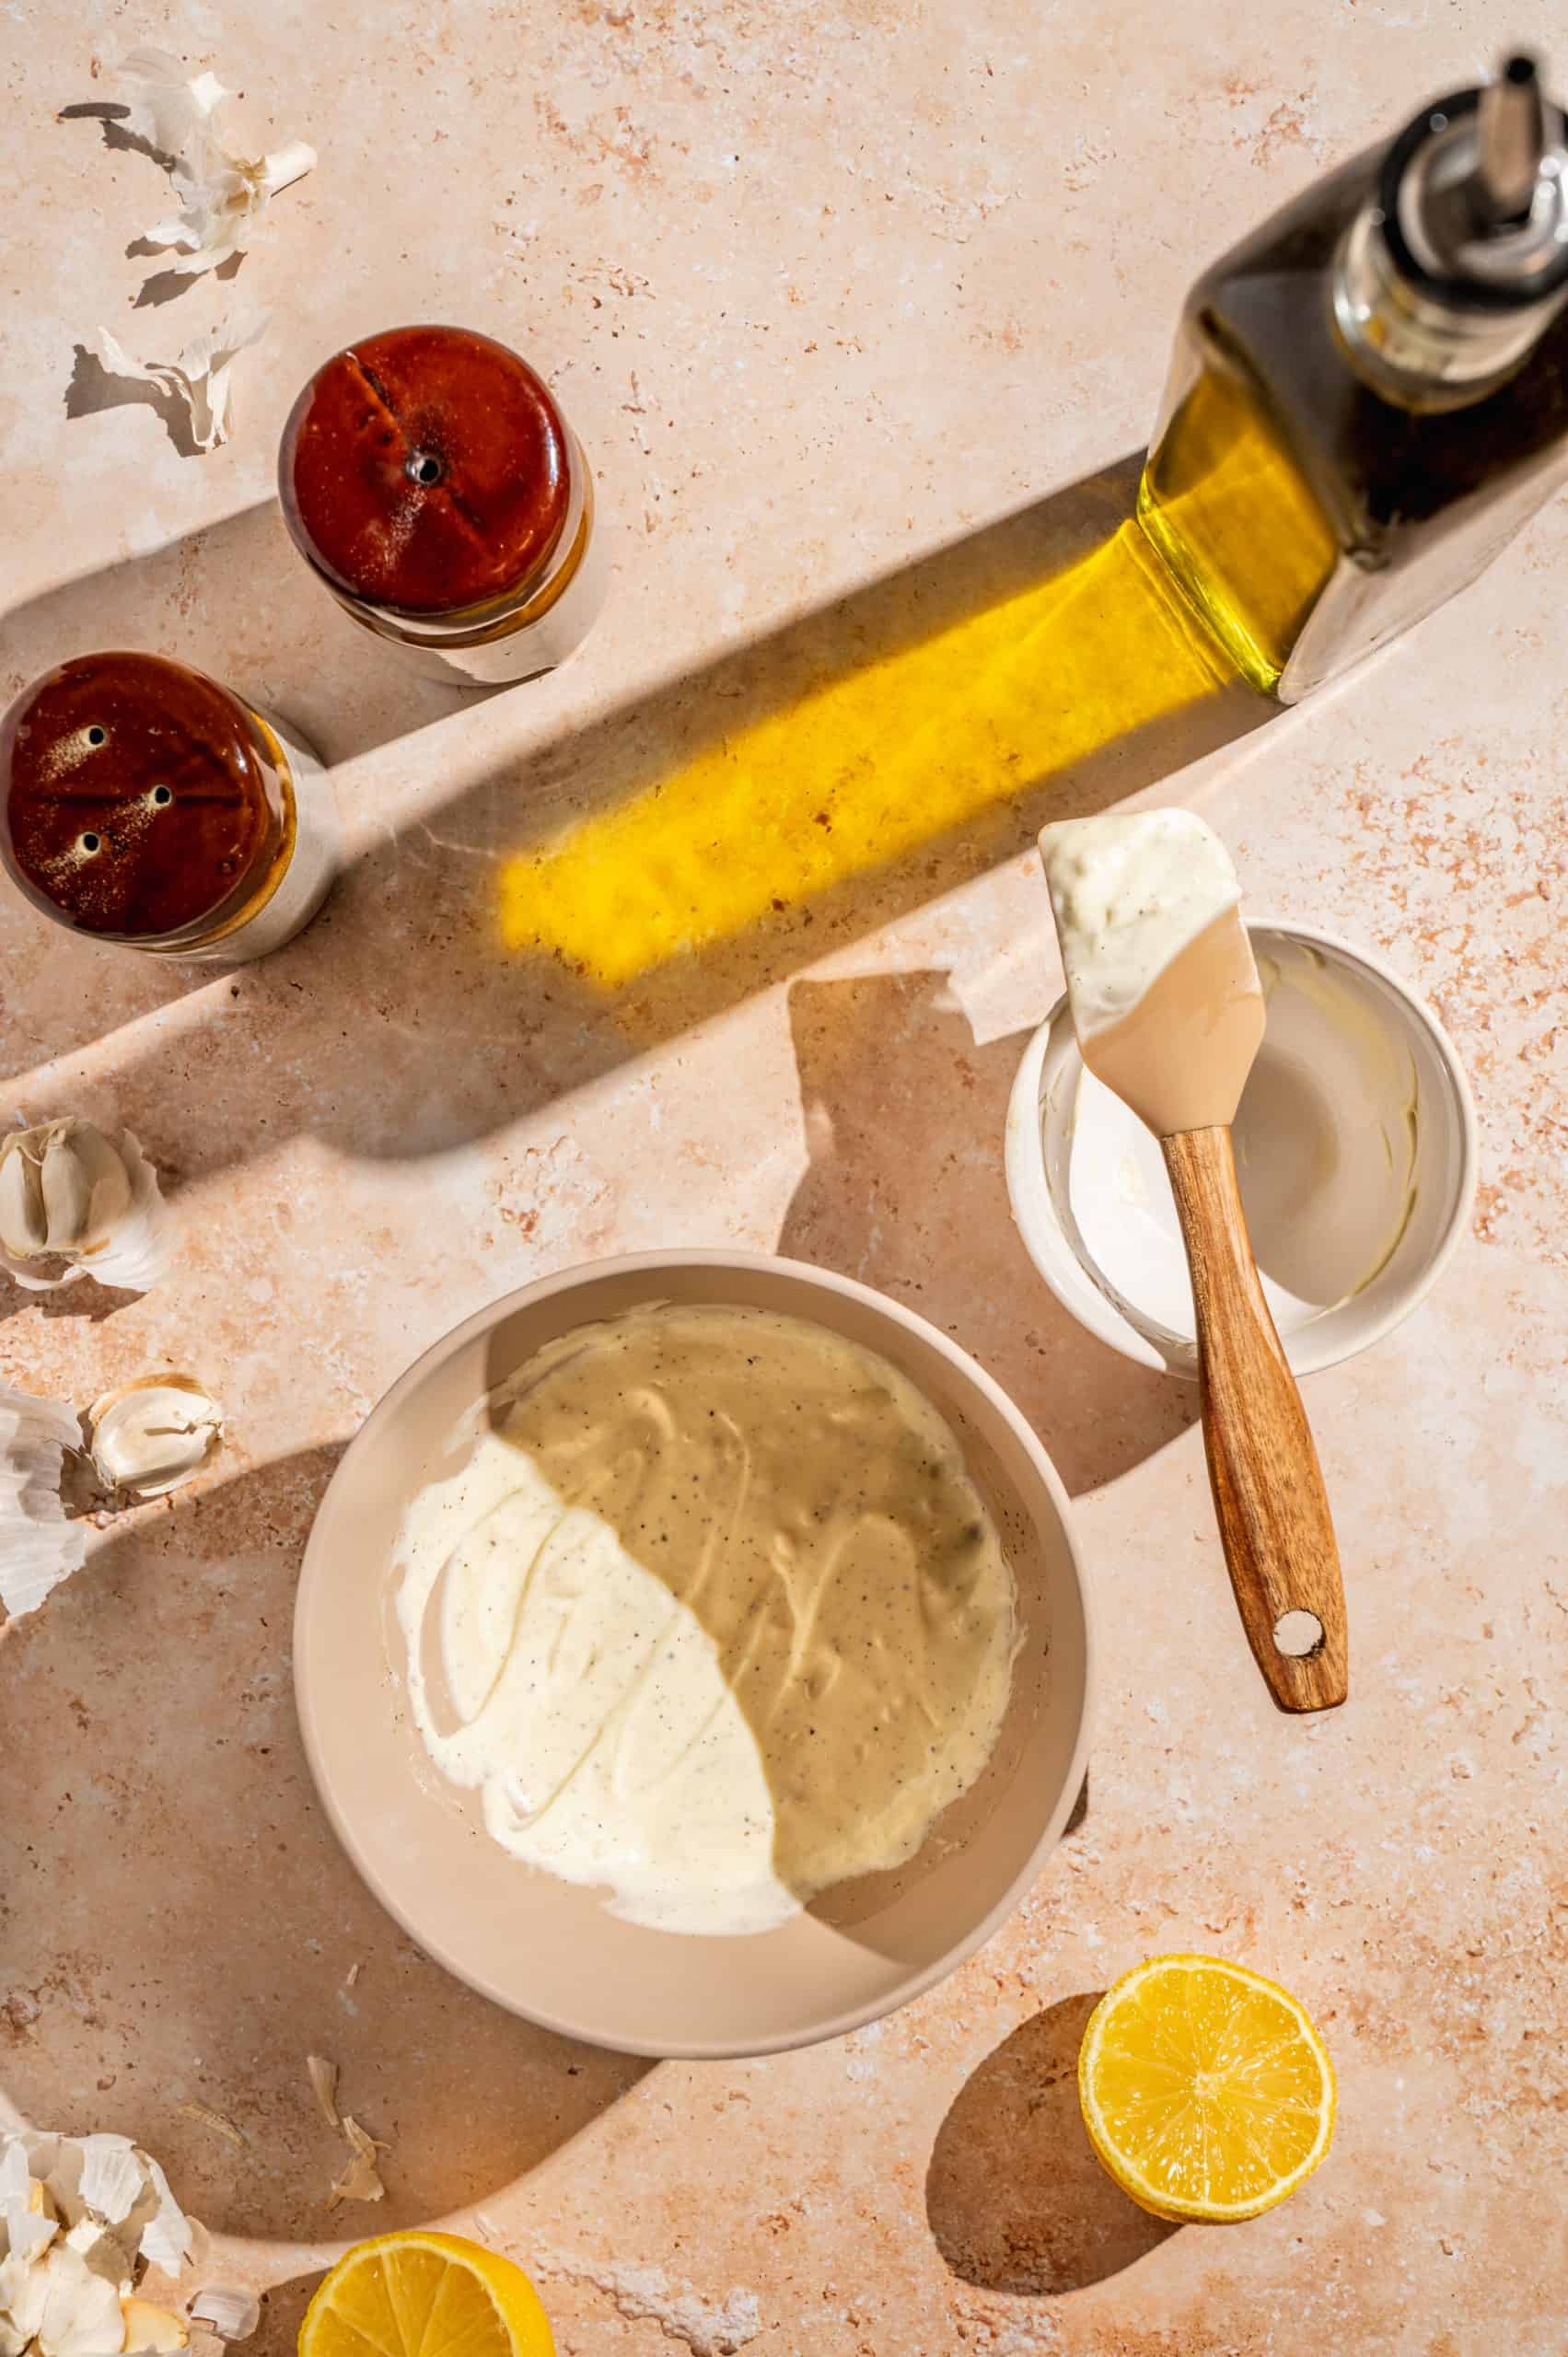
(1298, 1634)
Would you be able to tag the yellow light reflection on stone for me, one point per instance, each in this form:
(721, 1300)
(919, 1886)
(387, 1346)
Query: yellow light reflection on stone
(863, 768)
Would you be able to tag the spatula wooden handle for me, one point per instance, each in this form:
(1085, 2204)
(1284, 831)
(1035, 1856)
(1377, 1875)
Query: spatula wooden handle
(1268, 1495)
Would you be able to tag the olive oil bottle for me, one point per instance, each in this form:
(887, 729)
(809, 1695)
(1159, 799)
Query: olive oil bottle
(1369, 396)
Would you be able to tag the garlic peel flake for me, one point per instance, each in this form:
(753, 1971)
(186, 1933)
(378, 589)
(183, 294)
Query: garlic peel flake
(198, 377)
(222, 195)
(111, 2177)
(361, 2180)
(324, 2080)
(39, 1547)
(151, 1435)
(165, 2237)
(78, 1201)
(233, 2316)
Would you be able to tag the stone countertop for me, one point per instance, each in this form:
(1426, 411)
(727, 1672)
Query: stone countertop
(861, 312)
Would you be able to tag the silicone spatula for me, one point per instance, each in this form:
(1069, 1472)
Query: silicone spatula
(1179, 1056)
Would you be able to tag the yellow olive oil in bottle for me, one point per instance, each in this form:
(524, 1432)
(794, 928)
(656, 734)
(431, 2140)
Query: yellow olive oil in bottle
(1369, 396)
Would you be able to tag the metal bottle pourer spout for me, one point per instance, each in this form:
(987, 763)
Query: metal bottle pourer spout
(1453, 270)
(1511, 140)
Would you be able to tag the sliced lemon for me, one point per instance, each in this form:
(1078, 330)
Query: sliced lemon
(400, 2294)
(1206, 2091)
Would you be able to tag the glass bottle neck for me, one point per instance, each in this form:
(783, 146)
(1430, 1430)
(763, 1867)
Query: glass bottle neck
(1411, 347)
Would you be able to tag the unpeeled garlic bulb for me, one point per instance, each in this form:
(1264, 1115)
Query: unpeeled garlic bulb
(76, 1201)
(151, 1435)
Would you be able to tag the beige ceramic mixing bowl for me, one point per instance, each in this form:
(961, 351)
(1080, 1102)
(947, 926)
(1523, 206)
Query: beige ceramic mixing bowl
(551, 1950)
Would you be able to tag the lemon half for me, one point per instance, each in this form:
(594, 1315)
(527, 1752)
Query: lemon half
(1207, 2093)
(401, 2294)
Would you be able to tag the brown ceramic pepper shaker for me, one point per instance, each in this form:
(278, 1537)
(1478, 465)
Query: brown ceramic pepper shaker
(148, 808)
(428, 477)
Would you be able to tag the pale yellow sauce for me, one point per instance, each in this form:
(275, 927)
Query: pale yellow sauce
(714, 1617)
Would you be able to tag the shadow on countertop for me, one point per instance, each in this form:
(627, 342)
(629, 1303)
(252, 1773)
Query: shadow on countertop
(401, 1024)
(905, 1116)
(282, 2312)
(179, 1927)
(1015, 2199)
(249, 613)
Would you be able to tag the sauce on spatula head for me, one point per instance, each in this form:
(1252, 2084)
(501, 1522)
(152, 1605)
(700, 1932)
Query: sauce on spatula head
(1165, 993)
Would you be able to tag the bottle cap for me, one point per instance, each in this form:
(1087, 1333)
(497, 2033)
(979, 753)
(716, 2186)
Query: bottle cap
(1474, 195)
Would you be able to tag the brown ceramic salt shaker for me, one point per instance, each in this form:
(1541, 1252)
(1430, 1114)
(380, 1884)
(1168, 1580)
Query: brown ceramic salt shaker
(429, 479)
(148, 808)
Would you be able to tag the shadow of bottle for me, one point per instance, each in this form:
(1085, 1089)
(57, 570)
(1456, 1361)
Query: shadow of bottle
(1015, 2199)
(904, 1118)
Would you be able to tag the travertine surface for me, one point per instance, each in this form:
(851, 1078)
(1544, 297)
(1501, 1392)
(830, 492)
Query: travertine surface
(829, 292)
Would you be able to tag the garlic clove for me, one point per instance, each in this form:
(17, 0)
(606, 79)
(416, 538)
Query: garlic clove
(150, 1436)
(136, 1252)
(86, 1187)
(232, 2315)
(78, 1200)
(39, 1547)
(148, 2326)
(24, 1229)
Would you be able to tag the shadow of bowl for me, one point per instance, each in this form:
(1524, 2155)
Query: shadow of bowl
(1016, 2199)
(179, 1929)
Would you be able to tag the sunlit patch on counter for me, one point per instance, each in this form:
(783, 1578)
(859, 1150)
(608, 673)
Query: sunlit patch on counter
(864, 770)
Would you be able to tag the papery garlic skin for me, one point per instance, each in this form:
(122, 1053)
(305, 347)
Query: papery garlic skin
(152, 1435)
(222, 196)
(233, 2316)
(38, 1546)
(197, 376)
(80, 2216)
(78, 1201)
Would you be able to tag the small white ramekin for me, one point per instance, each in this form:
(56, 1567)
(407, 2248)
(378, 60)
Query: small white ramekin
(1091, 1204)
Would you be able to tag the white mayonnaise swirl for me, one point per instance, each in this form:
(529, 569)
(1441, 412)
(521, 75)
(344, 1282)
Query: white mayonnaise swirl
(1129, 893)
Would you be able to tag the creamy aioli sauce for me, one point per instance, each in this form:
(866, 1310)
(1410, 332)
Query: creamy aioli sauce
(713, 1616)
(1129, 893)
(1327, 1143)
(1327, 1136)
(1165, 993)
